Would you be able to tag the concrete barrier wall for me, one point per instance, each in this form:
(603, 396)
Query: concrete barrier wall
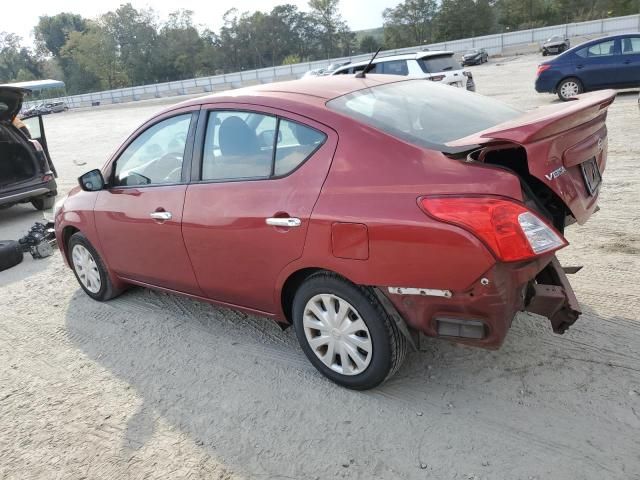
(511, 43)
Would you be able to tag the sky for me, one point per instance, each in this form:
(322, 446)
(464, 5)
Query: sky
(359, 14)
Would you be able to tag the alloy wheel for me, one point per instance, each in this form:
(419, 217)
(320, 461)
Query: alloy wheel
(86, 268)
(337, 334)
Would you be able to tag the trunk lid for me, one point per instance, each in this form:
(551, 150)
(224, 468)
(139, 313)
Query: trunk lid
(10, 101)
(566, 147)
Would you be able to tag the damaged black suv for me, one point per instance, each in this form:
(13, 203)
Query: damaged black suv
(27, 173)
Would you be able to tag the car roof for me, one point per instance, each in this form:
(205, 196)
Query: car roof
(403, 56)
(310, 90)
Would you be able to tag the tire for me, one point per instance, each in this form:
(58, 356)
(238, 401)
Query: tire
(10, 254)
(568, 85)
(83, 266)
(43, 203)
(387, 346)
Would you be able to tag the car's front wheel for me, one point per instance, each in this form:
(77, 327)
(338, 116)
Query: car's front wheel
(90, 270)
(345, 332)
(569, 87)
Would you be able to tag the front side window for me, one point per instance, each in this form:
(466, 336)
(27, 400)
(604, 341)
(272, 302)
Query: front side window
(631, 46)
(156, 156)
(247, 145)
(602, 49)
(423, 113)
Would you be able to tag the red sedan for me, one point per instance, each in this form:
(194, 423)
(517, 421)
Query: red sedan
(363, 211)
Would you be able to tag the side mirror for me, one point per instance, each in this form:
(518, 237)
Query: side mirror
(92, 181)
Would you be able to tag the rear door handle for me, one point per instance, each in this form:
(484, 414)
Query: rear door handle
(627, 62)
(163, 216)
(288, 222)
(579, 67)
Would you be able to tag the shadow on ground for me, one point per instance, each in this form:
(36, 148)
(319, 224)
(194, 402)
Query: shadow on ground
(242, 389)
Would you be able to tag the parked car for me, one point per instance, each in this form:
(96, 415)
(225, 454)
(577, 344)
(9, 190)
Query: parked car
(27, 173)
(36, 110)
(475, 57)
(437, 66)
(360, 210)
(611, 62)
(56, 107)
(554, 45)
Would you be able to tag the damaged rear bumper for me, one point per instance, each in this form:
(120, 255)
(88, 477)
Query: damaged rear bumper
(482, 314)
(551, 296)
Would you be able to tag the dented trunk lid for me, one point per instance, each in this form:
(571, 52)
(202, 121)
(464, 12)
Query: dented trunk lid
(566, 147)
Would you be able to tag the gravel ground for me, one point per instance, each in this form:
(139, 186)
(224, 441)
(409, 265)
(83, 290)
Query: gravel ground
(152, 385)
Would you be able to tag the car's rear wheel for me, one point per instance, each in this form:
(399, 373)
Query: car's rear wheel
(568, 88)
(345, 332)
(43, 203)
(90, 270)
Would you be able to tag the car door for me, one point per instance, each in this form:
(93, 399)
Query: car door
(139, 215)
(597, 65)
(256, 179)
(630, 61)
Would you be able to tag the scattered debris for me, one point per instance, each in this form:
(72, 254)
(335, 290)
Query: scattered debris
(40, 240)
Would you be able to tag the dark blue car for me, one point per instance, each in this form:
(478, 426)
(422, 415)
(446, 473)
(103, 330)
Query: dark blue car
(610, 62)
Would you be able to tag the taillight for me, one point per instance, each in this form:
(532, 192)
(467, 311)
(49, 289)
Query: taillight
(436, 78)
(542, 68)
(509, 229)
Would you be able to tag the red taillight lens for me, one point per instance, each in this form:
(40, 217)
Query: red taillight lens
(509, 229)
(542, 68)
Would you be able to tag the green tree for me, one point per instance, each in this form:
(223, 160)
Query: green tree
(136, 37)
(95, 52)
(409, 23)
(17, 63)
(369, 44)
(52, 32)
(331, 26)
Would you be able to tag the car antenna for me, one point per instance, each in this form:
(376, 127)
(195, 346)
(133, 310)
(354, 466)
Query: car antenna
(362, 73)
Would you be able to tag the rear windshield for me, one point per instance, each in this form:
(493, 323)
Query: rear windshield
(443, 63)
(422, 112)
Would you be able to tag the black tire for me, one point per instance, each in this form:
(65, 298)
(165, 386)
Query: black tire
(389, 346)
(566, 81)
(10, 254)
(43, 203)
(107, 291)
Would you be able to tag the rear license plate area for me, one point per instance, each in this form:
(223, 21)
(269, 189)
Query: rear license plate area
(591, 175)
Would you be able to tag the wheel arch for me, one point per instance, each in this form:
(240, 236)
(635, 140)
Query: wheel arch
(294, 281)
(67, 232)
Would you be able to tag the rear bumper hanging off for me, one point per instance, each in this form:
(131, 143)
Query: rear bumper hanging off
(551, 296)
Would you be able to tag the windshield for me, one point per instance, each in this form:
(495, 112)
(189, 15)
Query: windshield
(443, 63)
(423, 113)
(555, 38)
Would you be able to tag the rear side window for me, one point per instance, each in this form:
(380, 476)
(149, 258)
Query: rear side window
(423, 113)
(602, 49)
(396, 67)
(296, 143)
(442, 63)
(631, 46)
(246, 145)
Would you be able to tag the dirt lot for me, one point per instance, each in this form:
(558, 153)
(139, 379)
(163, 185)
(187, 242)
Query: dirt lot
(152, 385)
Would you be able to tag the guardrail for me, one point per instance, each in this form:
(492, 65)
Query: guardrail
(494, 44)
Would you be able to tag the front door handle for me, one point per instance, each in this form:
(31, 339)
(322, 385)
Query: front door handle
(162, 216)
(288, 222)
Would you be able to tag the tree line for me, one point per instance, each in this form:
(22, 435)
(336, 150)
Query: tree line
(130, 46)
